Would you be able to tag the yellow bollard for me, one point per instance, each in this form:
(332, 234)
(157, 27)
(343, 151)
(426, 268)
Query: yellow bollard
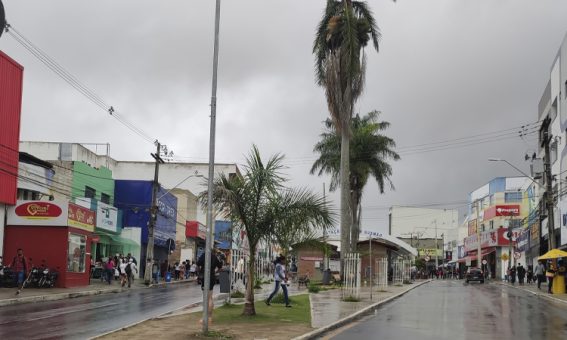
(558, 284)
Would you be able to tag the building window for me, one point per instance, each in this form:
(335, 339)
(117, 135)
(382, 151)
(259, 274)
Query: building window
(90, 192)
(76, 253)
(510, 197)
(491, 225)
(516, 224)
(104, 198)
(491, 200)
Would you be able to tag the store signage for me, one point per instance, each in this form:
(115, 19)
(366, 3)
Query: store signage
(507, 210)
(81, 218)
(202, 232)
(472, 227)
(42, 213)
(522, 240)
(429, 251)
(106, 217)
(491, 238)
(534, 231)
(38, 210)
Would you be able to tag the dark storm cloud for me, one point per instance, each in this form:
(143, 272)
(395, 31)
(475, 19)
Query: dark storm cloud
(446, 69)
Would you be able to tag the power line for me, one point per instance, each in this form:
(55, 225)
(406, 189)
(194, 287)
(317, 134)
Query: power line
(74, 82)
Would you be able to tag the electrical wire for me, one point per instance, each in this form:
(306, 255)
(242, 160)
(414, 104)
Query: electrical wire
(74, 82)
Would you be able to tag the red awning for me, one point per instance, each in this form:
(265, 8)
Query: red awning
(472, 254)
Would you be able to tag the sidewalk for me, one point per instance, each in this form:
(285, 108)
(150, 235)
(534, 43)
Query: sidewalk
(532, 289)
(8, 297)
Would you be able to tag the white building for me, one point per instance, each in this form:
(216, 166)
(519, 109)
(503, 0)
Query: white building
(552, 113)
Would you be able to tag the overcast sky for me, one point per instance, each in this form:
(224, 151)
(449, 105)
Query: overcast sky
(446, 69)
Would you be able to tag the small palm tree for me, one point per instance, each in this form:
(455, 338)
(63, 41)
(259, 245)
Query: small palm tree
(259, 203)
(340, 65)
(369, 154)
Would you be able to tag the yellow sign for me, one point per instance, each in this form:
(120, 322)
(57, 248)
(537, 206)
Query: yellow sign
(504, 257)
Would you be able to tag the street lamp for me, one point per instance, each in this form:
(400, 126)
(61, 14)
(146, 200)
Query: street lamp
(513, 166)
(196, 174)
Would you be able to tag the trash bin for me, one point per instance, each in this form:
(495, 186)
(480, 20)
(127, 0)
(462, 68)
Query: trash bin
(168, 277)
(326, 277)
(224, 281)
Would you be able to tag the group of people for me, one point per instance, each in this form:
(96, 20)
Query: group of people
(120, 267)
(543, 272)
(179, 271)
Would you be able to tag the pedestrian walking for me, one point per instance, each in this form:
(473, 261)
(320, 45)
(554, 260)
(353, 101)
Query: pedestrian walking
(193, 269)
(155, 271)
(177, 270)
(550, 274)
(20, 267)
(187, 269)
(530, 275)
(512, 275)
(280, 279)
(540, 274)
(215, 264)
(122, 269)
(129, 270)
(109, 269)
(521, 274)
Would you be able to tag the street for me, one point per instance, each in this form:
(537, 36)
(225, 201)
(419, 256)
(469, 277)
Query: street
(453, 310)
(85, 317)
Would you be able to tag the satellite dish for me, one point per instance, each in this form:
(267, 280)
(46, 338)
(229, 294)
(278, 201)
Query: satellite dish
(2, 18)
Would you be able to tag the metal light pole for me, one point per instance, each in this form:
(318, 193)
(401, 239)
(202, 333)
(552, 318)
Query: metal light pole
(370, 257)
(436, 248)
(479, 246)
(209, 243)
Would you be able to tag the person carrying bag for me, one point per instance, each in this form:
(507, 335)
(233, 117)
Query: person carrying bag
(550, 274)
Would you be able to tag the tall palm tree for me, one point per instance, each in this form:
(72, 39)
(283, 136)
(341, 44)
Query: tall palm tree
(369, 154)
(344, 30)
(257, 202)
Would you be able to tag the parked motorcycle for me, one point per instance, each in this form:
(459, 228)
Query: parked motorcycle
(48, 278)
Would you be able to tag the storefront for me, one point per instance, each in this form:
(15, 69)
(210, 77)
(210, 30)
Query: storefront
(495, 248)
(55, 234)
(195, 234)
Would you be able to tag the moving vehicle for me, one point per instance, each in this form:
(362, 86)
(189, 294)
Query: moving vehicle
(474, 274)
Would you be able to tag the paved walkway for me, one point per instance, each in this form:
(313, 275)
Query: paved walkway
(532, 288)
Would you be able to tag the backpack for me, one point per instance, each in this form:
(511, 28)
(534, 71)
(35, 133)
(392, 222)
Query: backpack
(128, 269)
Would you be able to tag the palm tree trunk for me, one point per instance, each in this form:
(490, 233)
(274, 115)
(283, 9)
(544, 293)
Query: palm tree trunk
(355, 226)
(249, 308)
(346, 219)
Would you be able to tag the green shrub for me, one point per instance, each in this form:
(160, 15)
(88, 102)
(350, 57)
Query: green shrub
(280, 299)
(313, 288)
(237, 295)
(257, 283)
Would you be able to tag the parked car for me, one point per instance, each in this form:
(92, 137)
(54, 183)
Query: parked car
(474, 274)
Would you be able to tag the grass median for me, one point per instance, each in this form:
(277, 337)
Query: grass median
(273, 322)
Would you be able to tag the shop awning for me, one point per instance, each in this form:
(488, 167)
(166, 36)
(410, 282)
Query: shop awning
(116, 240)
(473, 256)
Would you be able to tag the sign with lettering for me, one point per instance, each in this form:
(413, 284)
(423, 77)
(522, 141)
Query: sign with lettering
(81, 218)
(42, 213)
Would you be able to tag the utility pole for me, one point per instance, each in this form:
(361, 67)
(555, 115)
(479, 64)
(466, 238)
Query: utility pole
(436, 248)
(153, 216)
(370, 257)
(479, 246)
(548, 186)
(209, 241)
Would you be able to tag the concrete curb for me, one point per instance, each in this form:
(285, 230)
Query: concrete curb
(543, 295)
(348, 319)
(63, 296)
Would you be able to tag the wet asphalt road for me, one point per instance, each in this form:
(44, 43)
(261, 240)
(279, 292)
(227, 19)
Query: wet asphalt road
(453, 310)
(85, 317)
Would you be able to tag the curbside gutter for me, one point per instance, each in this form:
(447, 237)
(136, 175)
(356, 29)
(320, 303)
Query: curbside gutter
(63, 296)
(348, 319)
(543, 295)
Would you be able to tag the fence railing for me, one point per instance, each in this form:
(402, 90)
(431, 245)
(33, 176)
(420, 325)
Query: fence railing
(381, 273)
(351, 283)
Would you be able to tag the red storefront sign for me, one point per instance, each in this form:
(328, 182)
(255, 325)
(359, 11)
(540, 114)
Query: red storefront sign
(38, 210)
(502, 210)
(81, 218)
(191, 228)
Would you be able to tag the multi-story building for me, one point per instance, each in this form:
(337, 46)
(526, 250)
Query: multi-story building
(552, 113)
(500, 206)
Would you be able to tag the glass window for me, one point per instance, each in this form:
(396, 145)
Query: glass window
(104, 198)
(76, 253)
(90, 192)
(491, 200)
(513, 197)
